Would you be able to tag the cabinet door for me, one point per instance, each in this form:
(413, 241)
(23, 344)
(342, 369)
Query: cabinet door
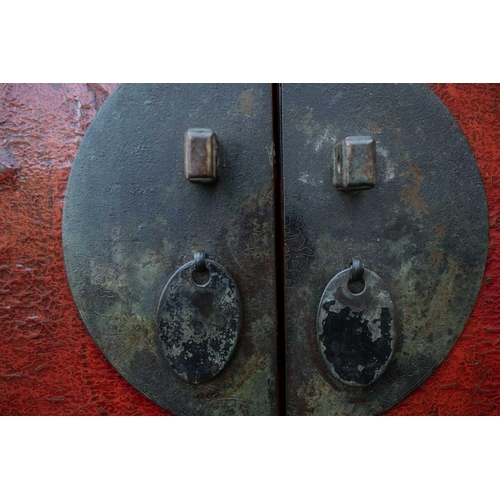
(49, 363)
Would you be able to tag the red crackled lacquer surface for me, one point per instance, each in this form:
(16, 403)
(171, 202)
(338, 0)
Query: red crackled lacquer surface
(49, 365)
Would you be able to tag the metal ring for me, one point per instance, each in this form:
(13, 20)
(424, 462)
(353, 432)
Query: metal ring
(200, 262)
(357, 269)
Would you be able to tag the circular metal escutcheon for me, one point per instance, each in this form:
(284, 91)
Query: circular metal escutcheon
(131, 219)
(423, 228)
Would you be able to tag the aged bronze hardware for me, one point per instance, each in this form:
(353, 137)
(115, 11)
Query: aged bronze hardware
(357, 269)
(354, 161)
(423, 230)
(200, 262)
(131, 222)
(199, 322)
(355, 328)
(201, 155)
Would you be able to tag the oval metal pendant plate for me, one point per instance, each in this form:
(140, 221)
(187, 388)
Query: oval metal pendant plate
(198, 324)
(356, 332)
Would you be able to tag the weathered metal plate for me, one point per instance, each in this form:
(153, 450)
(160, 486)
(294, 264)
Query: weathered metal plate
(356, 333)
(199, 323)
(423, 228)
(131, 219)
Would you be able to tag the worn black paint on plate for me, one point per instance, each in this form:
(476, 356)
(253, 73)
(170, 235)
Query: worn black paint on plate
(199, 324)
(356, 333)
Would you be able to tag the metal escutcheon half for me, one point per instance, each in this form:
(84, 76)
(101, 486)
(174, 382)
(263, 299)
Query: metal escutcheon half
(199, 321)
(355, 331)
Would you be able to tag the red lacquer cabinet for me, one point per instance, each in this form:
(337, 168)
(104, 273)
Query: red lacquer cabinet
(49, 365)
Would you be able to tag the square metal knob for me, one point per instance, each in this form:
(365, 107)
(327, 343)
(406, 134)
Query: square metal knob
(201, 155)
(354, 162)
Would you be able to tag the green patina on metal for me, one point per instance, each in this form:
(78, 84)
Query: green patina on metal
(423, 228)
(199, 324)
(356, 332)
(131, 219)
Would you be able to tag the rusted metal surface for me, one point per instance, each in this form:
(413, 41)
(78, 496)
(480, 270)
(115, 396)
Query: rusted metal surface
(423, 229)
(355, 328)
(201, 155)
(199, 321)
(131, 220)
(354, 163)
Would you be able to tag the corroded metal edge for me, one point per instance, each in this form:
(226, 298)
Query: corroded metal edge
(189, 349)
(368, 320)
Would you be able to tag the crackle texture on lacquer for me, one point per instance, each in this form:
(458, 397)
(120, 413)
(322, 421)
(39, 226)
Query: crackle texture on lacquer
(49, 364)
